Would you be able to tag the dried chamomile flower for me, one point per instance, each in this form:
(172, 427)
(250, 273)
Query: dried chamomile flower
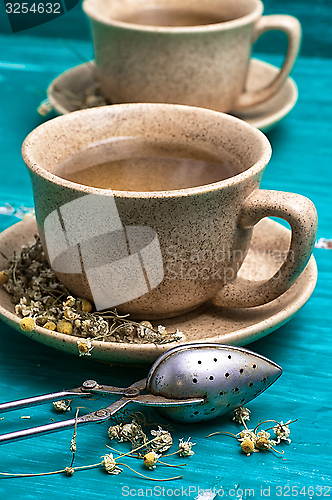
(37, 293)
(69, 471)
(252, 440)
(146, 333)
(185, 448)
(145, 329)
(68, 311)
(126, 330)
(44, 108)
(110, 464)
(50, 325)
(130, 432)
(163, 440)
(150, 460)
(70, 302)
(247, 439)
(84, 347)
(263, 434)
(241, 414)
(247, 446)
(27, 324)
(25, 309)
(85, 324)
(95, 326)
(73, 444)
(70, 314)
(114, 431)
(162, 330)
(64, 326)
(85, 305)
(263, 440)
(178, 335)
(62, 405)
(281, 432)
(247, 434)
(3, 278)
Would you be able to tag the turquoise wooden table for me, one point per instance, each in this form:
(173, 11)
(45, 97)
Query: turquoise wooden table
(301, 162)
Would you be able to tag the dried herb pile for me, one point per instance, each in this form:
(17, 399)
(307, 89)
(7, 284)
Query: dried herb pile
(40, 299)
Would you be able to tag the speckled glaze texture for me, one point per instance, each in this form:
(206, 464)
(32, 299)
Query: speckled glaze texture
(209, 323)
(204, 65)
(204, 232)
(263, 116)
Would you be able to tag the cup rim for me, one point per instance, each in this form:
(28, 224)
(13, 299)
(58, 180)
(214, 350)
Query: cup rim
(32, 139)
(95, 15)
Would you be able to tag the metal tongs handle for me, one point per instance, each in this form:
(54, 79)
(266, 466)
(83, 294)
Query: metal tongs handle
(132, 396)
(97, 416)
(38, 400)
(88, 388)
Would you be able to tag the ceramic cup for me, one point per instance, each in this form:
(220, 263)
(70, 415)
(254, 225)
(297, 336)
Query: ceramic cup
(158, 254)
(199, 65)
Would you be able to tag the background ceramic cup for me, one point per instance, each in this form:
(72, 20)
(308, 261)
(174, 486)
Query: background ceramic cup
(201, 65)
(189, 242)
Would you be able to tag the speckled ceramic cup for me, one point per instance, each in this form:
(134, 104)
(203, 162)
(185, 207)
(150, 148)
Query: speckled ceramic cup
(196, 64)
(167, 251)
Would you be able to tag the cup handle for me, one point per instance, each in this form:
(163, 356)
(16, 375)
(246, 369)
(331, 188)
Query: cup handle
(301, 214)
(289, 25)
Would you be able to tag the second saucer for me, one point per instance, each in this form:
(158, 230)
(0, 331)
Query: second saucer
(77, 88)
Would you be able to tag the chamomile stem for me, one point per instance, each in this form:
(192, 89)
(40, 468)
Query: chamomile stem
(152, 478)
(170, 454)
(169, 465)
(10, 474)
(135, 449)
(222, 432)
(286, 423)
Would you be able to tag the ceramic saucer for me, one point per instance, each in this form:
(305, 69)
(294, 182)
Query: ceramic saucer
(68, 92)
(210, 322)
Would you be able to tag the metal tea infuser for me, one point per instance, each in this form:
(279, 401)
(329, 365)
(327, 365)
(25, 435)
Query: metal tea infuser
(188, 383)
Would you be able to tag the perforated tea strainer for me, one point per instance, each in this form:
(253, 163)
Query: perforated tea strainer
(189, 383)
(226, 377)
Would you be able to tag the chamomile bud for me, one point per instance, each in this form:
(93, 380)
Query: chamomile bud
(3, 278)
(50, 325)
(64, 326)
(110, 464)
(86, 306)
(263, 443)
(62, 405)
(150, 460)
(247, 446)
(69, 471)
(27, 324)
(241, 414)
(84, 347)
(185, 448)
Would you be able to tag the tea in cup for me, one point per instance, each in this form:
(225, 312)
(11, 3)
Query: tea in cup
(195, 54)
(149, 208)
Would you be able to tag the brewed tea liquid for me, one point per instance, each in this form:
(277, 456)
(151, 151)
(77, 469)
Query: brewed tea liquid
(172, 17)
(142, 165)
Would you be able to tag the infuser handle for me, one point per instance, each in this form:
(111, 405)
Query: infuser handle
(99, 415)
(37, 431)
(289, 25)
(88, 388)
(20, 404)
(301, 214)
(96, 417)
